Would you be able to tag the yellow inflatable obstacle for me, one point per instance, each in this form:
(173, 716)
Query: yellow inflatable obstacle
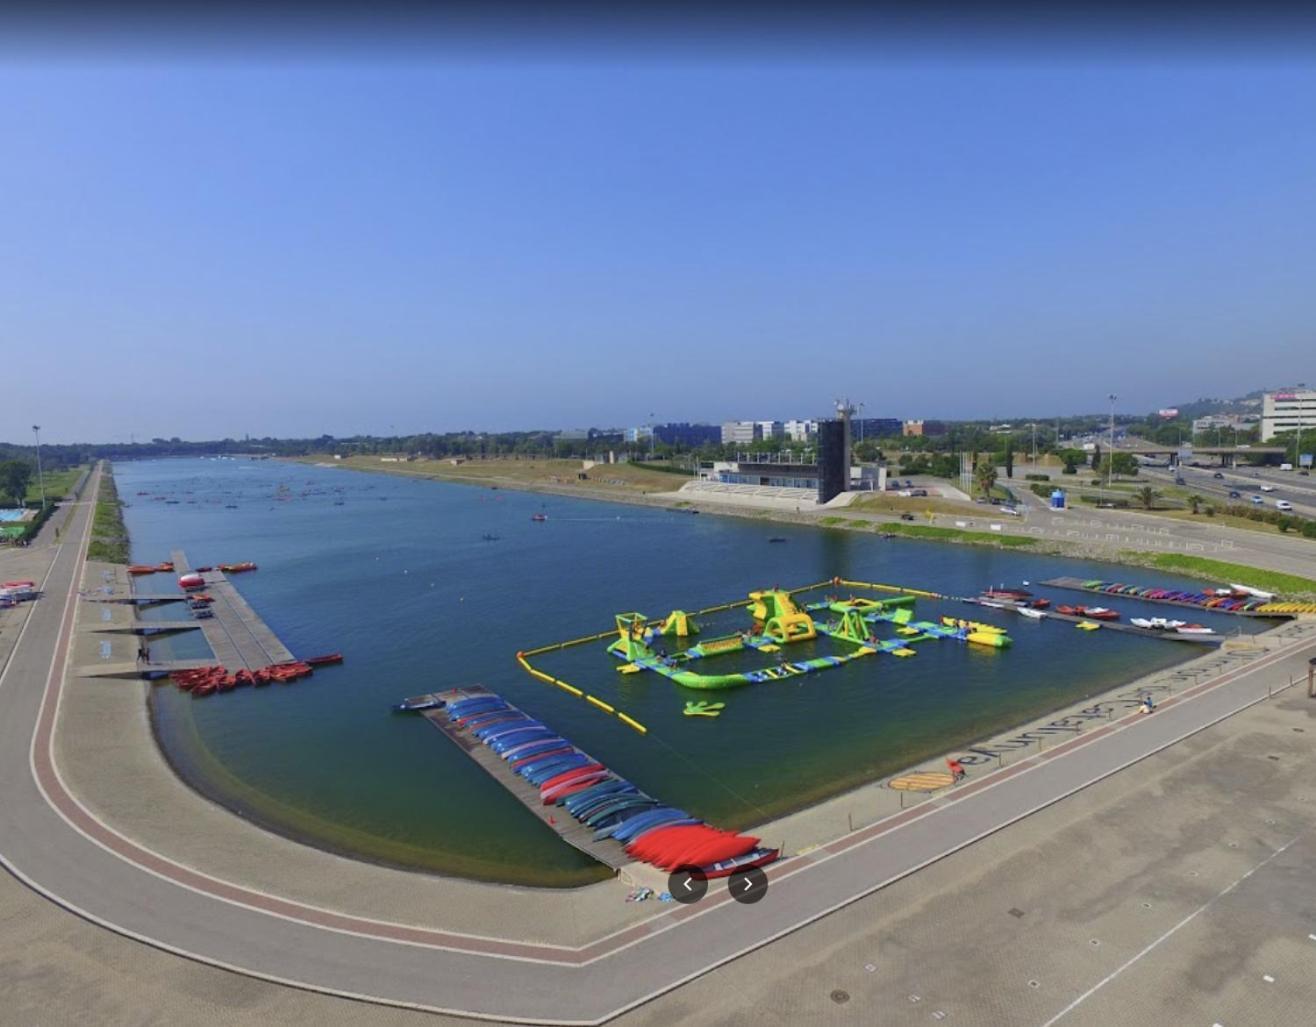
(979, 633)
(783, 621)
(679, 624)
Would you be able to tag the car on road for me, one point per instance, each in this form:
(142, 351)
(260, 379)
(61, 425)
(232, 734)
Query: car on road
(906, 516)
(1283, 504)
(1010, 510)
(1235, 494)
(1218, 474)
(1257, 500)
(1267, 488)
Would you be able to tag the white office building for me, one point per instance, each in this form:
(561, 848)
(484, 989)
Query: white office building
(1287, 411)
(740, 432)
(771, 429)
(801, 431)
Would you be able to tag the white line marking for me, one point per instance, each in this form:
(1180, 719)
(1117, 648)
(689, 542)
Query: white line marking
(1186, 920)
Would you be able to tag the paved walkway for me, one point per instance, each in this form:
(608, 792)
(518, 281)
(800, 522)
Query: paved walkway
(55, 845)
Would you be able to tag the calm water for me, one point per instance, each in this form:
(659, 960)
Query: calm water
(395, 574)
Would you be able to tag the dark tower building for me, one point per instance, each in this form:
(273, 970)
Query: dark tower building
(833, 459)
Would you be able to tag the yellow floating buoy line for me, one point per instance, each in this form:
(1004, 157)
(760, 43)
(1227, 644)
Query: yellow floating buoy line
(579, 693)
(522, 656)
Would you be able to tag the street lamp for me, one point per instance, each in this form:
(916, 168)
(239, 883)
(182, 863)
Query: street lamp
(36, 430)
(1110, 461)
(652, 426)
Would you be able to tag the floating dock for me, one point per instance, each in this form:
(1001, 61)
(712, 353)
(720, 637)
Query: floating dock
(1078, 585)
(236, 634)
(1111, 625)
(148, 627)
(579, 836)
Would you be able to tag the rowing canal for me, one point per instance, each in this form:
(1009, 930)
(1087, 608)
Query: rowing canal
(397, 574)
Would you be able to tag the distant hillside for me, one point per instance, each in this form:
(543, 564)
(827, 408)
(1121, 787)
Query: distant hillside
(1248, 404)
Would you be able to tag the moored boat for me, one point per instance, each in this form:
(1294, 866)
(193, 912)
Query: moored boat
(418, 702)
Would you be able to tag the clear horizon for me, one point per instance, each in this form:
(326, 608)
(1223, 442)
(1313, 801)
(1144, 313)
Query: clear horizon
(348, 244)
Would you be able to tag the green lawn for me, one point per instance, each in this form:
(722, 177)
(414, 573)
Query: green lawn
(109, 543)
(955, 534)
(58, 483)
(1228, 573)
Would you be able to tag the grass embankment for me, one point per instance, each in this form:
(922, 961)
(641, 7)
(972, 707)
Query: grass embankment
(109, 537)
(1226, 573)
(930, 531)
(556, 475)
(58, 483)
(891, 503)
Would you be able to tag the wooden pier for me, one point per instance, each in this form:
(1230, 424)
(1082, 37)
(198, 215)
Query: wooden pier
(148, 627)
(1077, 585)
(155, 669)
(236, 634)
(579, 836)
(1112, 625)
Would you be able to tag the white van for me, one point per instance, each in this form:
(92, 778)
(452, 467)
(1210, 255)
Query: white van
(1286, 467)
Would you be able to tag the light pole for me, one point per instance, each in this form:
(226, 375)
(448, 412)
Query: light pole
(651, 431)
(1297, 442)
(41, 480)
(1034, 427)
(1110, 457)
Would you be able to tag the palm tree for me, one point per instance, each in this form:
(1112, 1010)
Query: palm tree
(985, 475)
(1147, 496)
(1195, 502)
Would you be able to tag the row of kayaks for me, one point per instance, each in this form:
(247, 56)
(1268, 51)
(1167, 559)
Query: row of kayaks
(203, 681)
(139, 569)
(568, 777)
(1234, 599)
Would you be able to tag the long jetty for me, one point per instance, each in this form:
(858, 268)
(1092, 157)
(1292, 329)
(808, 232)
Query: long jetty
(1109, 625)
(237, 635)
(579, 836)
(1077, 585)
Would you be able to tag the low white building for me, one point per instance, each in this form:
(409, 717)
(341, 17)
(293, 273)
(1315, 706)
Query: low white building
(741, 432)
(800, 431)
(1290, 410)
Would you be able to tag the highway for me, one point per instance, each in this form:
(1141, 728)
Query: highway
(53, 844)
(1288, 485)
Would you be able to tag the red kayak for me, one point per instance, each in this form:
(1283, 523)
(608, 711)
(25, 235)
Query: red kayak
(567, 775)
(757, 858)
(573, 784)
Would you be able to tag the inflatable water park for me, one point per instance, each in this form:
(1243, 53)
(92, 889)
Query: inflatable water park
(776, 624)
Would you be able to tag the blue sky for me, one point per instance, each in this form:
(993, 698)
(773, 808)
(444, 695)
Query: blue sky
(208, 248)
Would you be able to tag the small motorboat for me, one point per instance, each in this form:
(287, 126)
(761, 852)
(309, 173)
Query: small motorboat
(323, 661)
(1030, 613)
(539, 517)
(1040, 604)
(1193, 629)
(776, 538)
(489, 538)
(1069, 611)
(418, 702)
(1016, 594)
(1098, 613)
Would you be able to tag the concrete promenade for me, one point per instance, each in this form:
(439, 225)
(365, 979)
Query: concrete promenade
(53, 843)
